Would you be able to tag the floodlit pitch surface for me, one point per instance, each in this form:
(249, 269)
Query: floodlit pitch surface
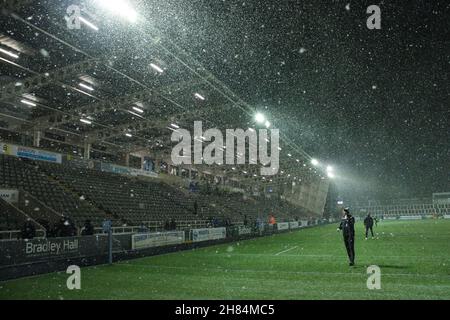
(414, 257)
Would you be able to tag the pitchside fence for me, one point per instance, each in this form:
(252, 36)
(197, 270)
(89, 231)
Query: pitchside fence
(20, 258)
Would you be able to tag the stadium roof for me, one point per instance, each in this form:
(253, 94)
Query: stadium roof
(117, 85)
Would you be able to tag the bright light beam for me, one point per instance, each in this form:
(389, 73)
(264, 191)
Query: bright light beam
(199, 96)
(138, 110)
(157, 68)
(260, 118)
(86, 121)
(86, 86)
(119, 7)
(88, 23)
(28, 102)
(9, 53)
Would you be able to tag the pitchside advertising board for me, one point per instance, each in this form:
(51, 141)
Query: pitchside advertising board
(208, 234)
(21, 251)
(108, 167)
(294, 225)
(243, 230)
(9, 195)
(30, 153)
(283, 226)
(158, 239)
(410, 217)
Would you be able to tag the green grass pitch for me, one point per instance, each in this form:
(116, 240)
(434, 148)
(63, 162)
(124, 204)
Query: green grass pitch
(414, 257)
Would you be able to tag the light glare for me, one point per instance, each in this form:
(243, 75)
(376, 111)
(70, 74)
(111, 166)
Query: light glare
(9, 53)
(138, 110)
(88, 23)
(86, 86)
(85, 121)
(199, 96)
(157, 68)
(28, 102)
(260, 118)
(119, 7)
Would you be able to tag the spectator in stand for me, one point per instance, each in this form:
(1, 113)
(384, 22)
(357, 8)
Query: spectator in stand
(46, 225)
(51, 232)
(142, 228)
(59, 227)
(65, 228)
(259, 223)
(88, 229)
(245, 220)
(72, 229)
(272, 220)
(195, 207)
(28, 230)
(167, 225)
(173, 225)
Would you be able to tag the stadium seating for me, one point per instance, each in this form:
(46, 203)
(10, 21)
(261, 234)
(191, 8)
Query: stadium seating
(129, 200)
(24, 175)
(82, 194)
(10, 219)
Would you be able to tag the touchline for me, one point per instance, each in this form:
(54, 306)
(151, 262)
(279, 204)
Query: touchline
(216, 152)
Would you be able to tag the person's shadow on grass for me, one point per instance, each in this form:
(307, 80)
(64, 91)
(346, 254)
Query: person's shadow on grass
(382, 266)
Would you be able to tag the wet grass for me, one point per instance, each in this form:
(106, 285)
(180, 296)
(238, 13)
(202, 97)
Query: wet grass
(414, 257)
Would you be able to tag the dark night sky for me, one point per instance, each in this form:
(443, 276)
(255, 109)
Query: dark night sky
(373, 102)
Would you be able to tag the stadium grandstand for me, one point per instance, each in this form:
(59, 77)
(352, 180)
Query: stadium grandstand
(88, 135)
(435, 206)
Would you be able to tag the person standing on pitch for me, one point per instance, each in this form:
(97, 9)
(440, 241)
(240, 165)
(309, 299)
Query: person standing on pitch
(348, 231)
(368, 223)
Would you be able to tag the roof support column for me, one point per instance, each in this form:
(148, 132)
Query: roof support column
(127, 159)
(37, 138)
(87, 150)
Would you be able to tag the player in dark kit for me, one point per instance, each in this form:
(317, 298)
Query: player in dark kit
(368, 223)
(348, 231)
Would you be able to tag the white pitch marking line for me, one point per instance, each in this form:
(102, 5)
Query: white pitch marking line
(286, 250)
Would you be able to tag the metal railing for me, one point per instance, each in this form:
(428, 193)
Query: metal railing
(17, 234)
(36, 208)
(14, 215)
(157, 226)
